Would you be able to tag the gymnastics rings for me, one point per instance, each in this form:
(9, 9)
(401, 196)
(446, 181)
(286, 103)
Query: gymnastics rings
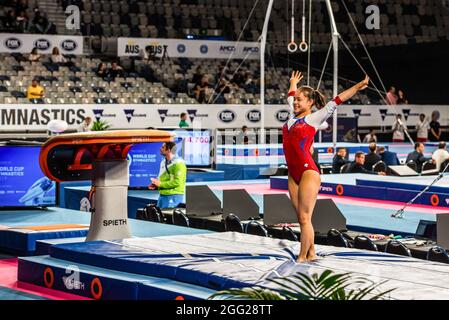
(303, 46)
(292, 46)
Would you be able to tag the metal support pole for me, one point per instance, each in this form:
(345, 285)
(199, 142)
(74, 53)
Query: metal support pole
(263, 42)
(335, 36)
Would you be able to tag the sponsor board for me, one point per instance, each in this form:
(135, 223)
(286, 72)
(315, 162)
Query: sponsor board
(188, 48)
(24, 43)
(16, 117)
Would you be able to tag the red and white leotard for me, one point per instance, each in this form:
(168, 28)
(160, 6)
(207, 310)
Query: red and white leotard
(298, 135)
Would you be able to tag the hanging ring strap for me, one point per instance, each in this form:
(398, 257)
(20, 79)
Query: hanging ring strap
(303, 46)
(292, 46)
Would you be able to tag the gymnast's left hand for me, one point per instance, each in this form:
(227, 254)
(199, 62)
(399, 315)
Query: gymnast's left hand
(296, 77)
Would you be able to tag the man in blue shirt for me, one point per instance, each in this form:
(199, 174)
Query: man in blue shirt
(390, 158)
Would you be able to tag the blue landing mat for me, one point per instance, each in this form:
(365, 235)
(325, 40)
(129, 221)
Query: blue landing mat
(105, 284)
(222, 259)
(215, 261)
(24, 243)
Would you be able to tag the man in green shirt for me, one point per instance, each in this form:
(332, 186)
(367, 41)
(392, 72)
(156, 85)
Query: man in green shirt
(172, 178)
(183, 123)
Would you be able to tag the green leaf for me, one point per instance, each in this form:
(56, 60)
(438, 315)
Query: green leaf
(326, 286)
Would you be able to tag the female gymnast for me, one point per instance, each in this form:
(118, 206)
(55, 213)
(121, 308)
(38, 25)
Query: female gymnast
(298, 135)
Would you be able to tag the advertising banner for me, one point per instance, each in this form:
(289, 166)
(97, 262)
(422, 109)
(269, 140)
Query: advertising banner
(22, 182)
(24, 43)
(16, 117)
(178, 48)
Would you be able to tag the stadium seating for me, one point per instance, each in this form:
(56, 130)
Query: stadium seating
(152, 82)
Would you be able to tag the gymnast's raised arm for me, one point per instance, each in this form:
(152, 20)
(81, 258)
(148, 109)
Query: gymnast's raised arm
(295, 79)
(317, 118)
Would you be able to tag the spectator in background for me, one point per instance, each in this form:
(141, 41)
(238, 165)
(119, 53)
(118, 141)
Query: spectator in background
(56, 56)
(171, 182)
(183, 123)
(224, 87)
(435, 130)
(391, 97)
(86, 125)
(239, 78)
(440, 155)
(22, 22)
(249, 83)
(370, 137)
(59, 59)
(390, 158)
(401, 98)
(417, 156)
(180, 84)
(339, 160)
(357, 166)
(115, 70)
(40, 22)
(34, 55)
(422, 128)
(243, 136)
(398, 128)
(201, 89)
(102, 72)
(10, 21)
(35, 91)
(197, 75)
(372, 157)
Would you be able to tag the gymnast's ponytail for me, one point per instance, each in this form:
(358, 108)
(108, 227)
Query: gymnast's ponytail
(319, 98)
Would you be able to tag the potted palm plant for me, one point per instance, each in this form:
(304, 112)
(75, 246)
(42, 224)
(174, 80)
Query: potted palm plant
(100, 125)
(326, 286)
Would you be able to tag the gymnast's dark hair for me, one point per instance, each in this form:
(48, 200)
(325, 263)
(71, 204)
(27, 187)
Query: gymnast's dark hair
(319, 99)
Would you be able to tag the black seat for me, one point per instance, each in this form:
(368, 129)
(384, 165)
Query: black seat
(412, 165)
(288, 234)
(337, 239)
(429, 165)
(179, 218)
(443, 166)
(438, 254)
(233, 223)
(256, 228)
(345, 168)
(380, 166)
(154, 213)
(363, 242)
(141, 214)
(396, 247)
